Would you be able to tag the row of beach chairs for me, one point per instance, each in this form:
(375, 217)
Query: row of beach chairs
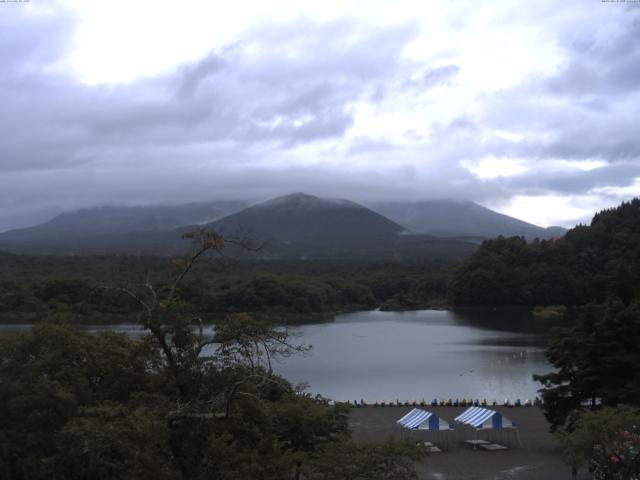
(446, 403)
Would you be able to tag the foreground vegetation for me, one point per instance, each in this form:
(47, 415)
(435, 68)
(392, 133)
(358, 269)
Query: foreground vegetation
(78, 406)
(606, 441)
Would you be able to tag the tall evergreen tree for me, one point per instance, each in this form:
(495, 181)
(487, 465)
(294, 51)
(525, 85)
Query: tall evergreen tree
(596, 362)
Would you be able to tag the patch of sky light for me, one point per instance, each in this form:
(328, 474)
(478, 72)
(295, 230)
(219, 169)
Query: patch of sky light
(494, 167)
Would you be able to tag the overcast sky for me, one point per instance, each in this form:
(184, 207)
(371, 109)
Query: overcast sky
(527, 107)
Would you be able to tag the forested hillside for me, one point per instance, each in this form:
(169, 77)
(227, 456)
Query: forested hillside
(589, 264)
(84, 288)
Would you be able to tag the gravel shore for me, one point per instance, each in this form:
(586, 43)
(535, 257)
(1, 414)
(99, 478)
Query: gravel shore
(538, 456)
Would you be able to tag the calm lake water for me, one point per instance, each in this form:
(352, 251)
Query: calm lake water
(418, 355)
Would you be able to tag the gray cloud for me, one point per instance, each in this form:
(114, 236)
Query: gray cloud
(440, 75)
(586, 110)
(237, 123)
(200, 132)
(609, 65)
(572, 182)
(231, 95)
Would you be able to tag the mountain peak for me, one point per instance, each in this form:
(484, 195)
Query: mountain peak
(304, 200)
(301, 218)
(296, 197)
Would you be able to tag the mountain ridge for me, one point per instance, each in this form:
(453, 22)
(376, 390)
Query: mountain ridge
(101, 225)
(296, 225)
(449, 218)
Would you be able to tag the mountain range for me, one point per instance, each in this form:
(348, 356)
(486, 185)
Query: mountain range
(110, 229)
(461, 219)
(292, 226)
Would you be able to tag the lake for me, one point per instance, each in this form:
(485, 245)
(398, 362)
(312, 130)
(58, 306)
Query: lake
(417, 355)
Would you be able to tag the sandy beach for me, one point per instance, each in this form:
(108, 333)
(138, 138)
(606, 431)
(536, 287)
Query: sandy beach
(538, 456)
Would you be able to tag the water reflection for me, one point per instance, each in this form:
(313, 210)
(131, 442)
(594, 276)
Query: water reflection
(426, 354)
(509, 320)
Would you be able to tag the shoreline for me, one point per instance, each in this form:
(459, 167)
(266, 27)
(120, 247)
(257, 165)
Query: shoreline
(285, 318)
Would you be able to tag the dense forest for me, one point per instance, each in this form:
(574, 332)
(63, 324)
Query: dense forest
(86, 289)
(589, 264)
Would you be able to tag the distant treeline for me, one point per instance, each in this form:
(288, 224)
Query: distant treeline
(587, 265)
(86, 289)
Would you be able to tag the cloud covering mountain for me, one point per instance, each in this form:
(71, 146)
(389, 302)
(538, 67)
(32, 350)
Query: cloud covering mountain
(529, 108)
